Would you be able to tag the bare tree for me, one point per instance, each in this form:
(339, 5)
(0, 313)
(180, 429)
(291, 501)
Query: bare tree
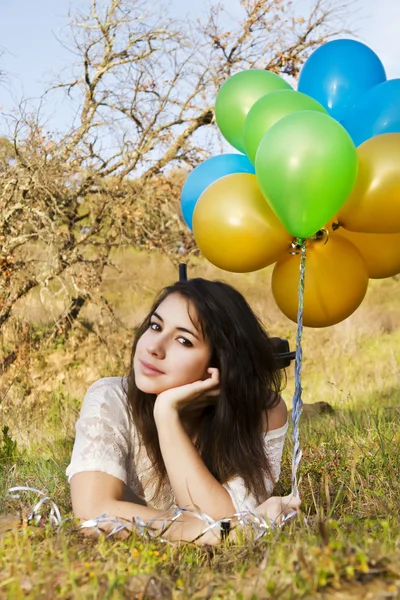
(150, 83)
(143, 88)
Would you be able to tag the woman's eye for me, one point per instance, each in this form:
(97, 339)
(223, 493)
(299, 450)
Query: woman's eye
(185, 342)
(182, 340)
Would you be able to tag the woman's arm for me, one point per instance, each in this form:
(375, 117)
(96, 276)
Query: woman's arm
(191, 481)
(95, 493)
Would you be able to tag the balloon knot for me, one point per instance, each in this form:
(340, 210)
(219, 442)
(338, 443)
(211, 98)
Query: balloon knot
(297, 245)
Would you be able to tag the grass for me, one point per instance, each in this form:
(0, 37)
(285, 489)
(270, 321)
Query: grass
(345, 545)
(349, 531)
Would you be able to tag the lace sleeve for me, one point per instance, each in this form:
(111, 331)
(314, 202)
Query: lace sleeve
(102, 441)
(274, 443)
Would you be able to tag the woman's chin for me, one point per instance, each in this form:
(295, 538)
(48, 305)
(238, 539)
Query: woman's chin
(148, 385)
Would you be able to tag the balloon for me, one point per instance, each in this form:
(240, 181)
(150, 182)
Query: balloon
(338, 73)
(235, 228)
(374, 204)
(336, 282)
(237, 95)
(206, 173)
(380, 251)
(377, 112)
(268, 110)
(306, 166)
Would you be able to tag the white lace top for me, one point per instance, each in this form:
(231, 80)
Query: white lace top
(107, 441)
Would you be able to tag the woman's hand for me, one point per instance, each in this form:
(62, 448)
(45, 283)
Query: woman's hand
(194, 395)
(276, 507)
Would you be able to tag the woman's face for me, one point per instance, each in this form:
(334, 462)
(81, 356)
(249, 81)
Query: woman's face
(172, 352)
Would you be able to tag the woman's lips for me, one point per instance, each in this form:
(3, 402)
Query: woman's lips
(148, 369)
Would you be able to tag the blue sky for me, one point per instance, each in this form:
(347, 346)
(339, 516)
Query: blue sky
(28, 30)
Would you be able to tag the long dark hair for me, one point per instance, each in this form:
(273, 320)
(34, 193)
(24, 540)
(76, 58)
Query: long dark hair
(230, 438)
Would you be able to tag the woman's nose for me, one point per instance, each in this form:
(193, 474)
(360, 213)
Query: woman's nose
(155, 347)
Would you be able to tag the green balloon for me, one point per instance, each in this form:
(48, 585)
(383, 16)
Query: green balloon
(306, 166)
(268, 110)
(237, 95)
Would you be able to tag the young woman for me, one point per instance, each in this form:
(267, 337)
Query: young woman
(197, 422)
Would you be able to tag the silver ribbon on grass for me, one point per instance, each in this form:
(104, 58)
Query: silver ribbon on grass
(250, 522)
(35, 515)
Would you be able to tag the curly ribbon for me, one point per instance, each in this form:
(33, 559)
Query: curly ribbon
(297, 402)
(251, 522)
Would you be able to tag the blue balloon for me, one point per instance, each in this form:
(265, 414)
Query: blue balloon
(205, 174)
(376, 113)
(338, 73)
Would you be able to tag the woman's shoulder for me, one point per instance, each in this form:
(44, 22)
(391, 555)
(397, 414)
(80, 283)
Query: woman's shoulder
(106, 395)
(115, 385)
(276, 420)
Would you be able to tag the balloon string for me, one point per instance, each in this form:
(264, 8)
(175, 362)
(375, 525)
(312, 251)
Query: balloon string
(297, 402)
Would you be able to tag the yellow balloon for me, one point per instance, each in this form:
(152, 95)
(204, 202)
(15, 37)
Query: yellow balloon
(374, 204)
(336, 281)
(234, 226)
(380, 251)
